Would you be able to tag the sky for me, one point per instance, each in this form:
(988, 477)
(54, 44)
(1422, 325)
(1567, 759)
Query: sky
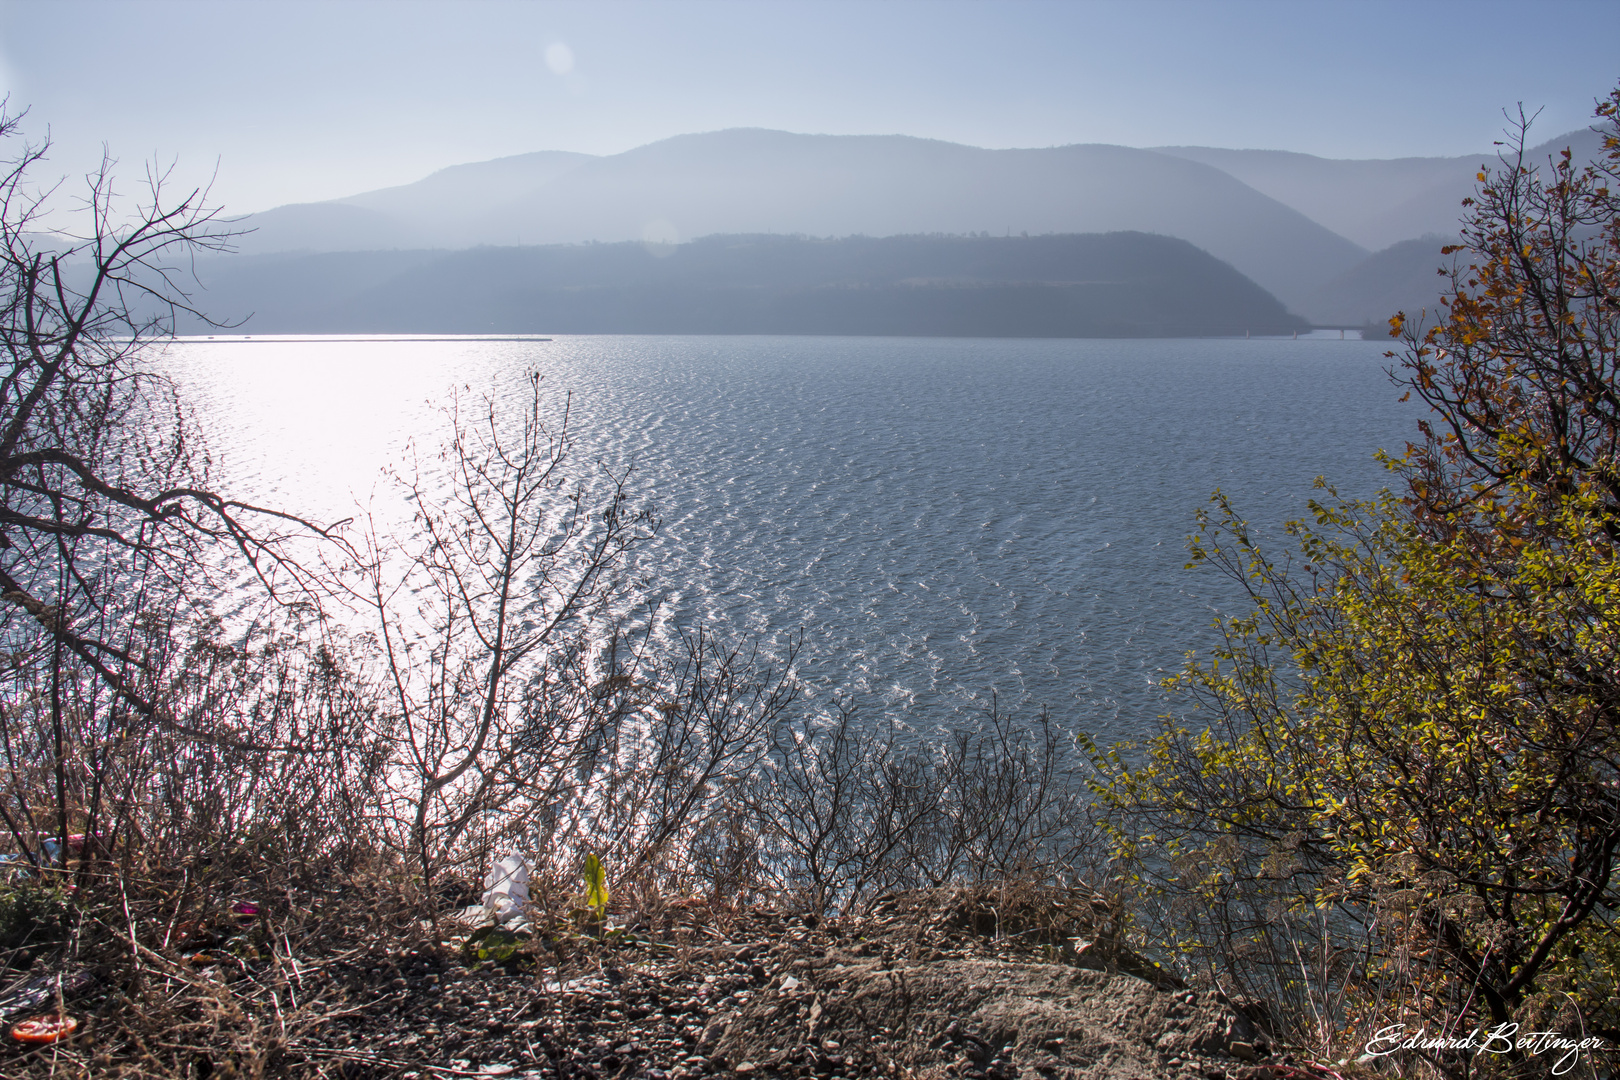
(278, 101)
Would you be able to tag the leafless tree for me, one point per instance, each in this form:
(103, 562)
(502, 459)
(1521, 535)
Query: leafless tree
(108, 526)
(494, 623)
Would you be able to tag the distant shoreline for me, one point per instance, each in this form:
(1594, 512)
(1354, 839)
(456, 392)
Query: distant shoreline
(1317, 333)
(1092, 285)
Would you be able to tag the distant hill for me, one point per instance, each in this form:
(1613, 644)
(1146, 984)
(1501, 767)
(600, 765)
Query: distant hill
(1123, 284)
(443, 210)
(1402, 277)
(1375, 203)
(754, 181)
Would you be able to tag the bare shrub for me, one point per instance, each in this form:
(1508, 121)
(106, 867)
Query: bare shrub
(525, 709)
(847, 813)
(493, 629)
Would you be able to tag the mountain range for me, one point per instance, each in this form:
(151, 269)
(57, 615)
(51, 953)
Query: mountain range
(1311, 231)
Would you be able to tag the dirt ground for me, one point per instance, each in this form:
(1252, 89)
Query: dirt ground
(965, 983)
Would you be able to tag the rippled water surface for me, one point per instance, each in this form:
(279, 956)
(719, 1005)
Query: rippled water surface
(944, 517)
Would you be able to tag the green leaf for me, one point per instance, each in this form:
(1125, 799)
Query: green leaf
(596, 888)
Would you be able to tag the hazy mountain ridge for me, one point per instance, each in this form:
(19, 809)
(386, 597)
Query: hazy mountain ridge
(435, 211)
(754, 181)
(1298, 225)
(1112, 285)
(498, 180)
(1375, 202)
(1358, 199)
(1402, 277)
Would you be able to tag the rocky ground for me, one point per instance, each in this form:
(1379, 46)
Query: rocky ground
(954, 984)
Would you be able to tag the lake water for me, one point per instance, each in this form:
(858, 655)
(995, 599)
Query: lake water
(945, 518)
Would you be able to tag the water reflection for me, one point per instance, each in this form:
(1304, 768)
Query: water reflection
(944, 517)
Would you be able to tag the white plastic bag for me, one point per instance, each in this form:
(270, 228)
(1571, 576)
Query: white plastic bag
(506, 889)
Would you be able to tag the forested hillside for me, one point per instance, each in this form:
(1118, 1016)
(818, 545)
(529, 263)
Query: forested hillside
(1109, 285)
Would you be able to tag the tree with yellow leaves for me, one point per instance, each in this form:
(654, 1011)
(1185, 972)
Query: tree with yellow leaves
(1396, 796)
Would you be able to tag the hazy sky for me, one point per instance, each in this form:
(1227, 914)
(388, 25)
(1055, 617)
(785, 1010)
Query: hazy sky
(299, 101)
